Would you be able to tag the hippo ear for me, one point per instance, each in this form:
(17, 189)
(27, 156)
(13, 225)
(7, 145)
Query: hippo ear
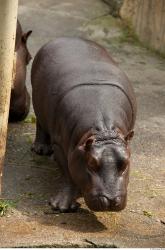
(26, 35)
(86, 146)
(129, 136)
(89, 143)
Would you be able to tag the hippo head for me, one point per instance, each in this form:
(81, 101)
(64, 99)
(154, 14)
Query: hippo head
(20, 43)
(20, 98)
(99, 166)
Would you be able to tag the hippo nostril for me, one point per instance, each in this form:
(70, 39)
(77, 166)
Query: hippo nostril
(118, 201)
(104, 200)
(103, 203)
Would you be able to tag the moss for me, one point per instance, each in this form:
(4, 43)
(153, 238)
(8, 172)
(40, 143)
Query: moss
(154, 51)
(107, 21)
(129, 36)
(147, 213)
(115, 32)
(28, 195)
(40, 160)
(30, 119)
(5, 205)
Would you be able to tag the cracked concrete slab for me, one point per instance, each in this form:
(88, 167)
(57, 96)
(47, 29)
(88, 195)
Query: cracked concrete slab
(30, 180)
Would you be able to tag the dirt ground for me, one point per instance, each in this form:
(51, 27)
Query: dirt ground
(30, 180)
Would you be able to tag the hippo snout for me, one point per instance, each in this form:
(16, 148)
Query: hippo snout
(104, 203)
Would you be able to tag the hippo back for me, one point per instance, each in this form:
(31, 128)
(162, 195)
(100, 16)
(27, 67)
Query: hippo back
(81, 62)
(77, 86)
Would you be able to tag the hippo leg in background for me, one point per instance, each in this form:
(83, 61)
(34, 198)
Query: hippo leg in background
(19, 106)
(41, 144)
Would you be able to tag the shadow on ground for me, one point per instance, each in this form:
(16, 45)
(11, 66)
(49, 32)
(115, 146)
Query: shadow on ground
(34, 179)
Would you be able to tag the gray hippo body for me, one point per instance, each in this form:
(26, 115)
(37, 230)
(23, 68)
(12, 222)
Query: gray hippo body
(20, 98)
(85, 108)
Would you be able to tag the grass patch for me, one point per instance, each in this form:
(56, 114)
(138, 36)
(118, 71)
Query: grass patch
(116, 32)
(128, 36)
(29, 137)
(106, 21)
(102, 27)
(30, 119)
(147, 213)
(156, 52)
(5, 205)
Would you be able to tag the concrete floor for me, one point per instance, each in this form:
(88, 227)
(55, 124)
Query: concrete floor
(30, 180)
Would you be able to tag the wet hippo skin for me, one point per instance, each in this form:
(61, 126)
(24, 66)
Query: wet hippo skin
(20, 98)
(85, 108)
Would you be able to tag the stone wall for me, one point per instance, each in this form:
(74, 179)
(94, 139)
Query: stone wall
(147, 17)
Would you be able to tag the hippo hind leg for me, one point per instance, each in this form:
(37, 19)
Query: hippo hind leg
(41, 145)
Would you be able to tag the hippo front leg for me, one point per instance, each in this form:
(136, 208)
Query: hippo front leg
(65, 199)
(41, 145)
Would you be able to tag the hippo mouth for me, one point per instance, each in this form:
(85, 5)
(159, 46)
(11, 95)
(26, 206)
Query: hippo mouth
(104, 203)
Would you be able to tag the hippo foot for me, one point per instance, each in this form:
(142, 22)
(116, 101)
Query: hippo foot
(65, 201)
(41, 149)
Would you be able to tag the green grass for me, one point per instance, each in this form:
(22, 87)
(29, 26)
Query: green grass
(30, 119)
(147, 213)
(5, 205)
(129, 36)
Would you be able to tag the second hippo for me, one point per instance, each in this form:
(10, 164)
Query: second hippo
(20, 98)
(85, 108)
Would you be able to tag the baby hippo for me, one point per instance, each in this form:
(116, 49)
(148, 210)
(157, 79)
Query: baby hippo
(85, 109)
(20, 99)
